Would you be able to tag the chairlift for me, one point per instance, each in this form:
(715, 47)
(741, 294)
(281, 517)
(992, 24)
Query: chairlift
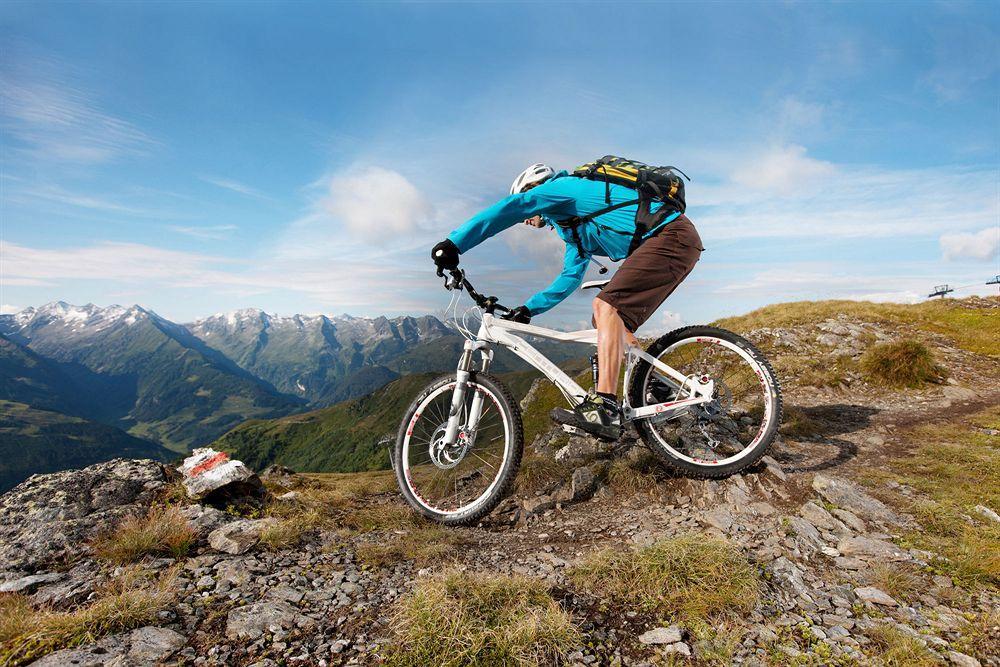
(940, 290)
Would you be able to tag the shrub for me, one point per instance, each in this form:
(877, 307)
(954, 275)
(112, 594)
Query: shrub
(162, 532)
(690, 578)
(904, 363)
(474, 619)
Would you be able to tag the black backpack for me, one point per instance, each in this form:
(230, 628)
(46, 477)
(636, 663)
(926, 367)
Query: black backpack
(651, 184)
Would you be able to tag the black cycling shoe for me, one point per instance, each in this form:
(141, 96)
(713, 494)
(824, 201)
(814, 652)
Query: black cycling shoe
(597, 416)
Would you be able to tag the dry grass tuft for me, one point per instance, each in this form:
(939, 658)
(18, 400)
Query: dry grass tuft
(355, 485)
(387, 516)
(162, 532)
(891, 647)
(900, 580)
(424, 546)
(795, 423)
(814, 370)
(980, 636)
(291, 528)
(905, 363)
(475, 619)
(690, 579)
(127, 602)
(635, 474)
(539, 471)
(953, 468)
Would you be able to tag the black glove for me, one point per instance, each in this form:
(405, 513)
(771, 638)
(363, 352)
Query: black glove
(519, 314)
(445, 256)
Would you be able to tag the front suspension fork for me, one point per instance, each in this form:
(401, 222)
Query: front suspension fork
(462, 375)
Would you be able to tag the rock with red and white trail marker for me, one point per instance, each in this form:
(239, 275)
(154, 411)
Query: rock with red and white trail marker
(211, 476)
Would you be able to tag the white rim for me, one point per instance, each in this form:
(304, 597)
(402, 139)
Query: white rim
(762, 379)
(405, 458)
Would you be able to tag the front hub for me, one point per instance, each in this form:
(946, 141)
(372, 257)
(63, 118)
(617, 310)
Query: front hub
(447, 456)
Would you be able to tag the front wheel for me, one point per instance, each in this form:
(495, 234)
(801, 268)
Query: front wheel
(461, 483)
(725, 435)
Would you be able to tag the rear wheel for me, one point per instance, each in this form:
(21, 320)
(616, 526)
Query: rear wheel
(727, 434)
(461, 483)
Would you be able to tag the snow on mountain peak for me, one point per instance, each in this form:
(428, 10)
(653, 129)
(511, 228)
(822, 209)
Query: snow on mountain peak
(77, 317)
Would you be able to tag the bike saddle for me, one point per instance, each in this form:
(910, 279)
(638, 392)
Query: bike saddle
(595, 284)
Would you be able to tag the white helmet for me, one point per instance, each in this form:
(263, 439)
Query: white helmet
(533, 175)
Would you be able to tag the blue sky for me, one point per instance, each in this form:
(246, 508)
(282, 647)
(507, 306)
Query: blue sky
(304, 157)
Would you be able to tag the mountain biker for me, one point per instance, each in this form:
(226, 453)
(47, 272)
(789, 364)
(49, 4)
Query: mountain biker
(541, 197)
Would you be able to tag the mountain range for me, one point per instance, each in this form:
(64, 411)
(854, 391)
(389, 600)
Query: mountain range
(171, 387)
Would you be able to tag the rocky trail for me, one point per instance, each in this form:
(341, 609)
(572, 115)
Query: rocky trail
(868, 536)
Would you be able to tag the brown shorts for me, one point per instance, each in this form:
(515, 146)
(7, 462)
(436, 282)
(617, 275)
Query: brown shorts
(653, 272)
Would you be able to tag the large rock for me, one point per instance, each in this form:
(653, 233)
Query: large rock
(871, 548)
(49, 518)
(144, 647)
(254, 620)
(849, 496)
(667, 635)
(875, 596)
(74, 587)
(212, 477)
(239, 536)
(28, 584)
(203, 519)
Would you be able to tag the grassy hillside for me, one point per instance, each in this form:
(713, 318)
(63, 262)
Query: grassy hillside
(971, 323)
(28, 378)
(341, 438)
(40, 441)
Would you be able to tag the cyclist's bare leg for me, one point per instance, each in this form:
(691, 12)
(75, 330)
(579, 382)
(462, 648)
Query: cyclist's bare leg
(611, 337)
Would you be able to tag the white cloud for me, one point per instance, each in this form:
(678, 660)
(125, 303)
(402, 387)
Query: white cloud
(376, 204)
(60, 196)
(103, 261)
(859, 202)
(543, 246)
(8, 309)
(796, 114)
(234, 186)
(782, 170)
(51, 117)
(212, 232)
(354, 284)
(982, 246)
(663, 322)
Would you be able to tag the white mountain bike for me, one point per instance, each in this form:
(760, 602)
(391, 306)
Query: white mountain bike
(702, 398)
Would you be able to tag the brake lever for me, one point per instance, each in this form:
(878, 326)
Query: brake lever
(455, 281)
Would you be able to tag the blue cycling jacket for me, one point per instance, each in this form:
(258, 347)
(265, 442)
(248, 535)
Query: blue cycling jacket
(560, 198)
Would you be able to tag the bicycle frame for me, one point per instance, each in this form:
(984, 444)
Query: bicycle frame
(496, 331)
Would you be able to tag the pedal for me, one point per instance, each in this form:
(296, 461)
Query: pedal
(573, 430)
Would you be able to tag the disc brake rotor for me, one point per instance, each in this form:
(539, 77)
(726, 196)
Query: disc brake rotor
(444, 456)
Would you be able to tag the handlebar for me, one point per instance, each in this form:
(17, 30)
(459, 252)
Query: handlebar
(489, 304)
